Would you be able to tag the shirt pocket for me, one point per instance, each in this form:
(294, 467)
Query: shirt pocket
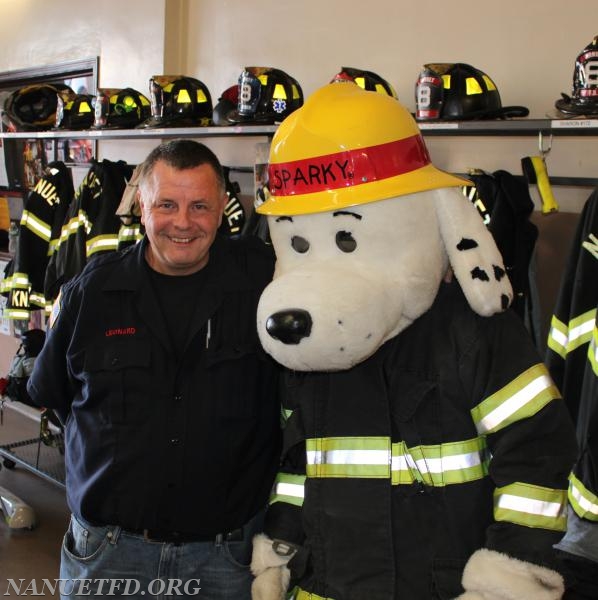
(118, 378)
(238, 377)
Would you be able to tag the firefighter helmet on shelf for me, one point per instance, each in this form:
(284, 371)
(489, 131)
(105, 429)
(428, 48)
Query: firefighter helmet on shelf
(178, 101)
(584, 100)
(367, 80)
(117, 108)
(458, 91)
(76, 112)
(265, 96)
(319, 164)
(33, 107)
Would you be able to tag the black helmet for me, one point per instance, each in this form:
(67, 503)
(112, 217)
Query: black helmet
(457, 91)
(33, 107)
(367, 80)
(585, 84)
(76, 112)
(178, 101)
(266, 96)
(117, 108)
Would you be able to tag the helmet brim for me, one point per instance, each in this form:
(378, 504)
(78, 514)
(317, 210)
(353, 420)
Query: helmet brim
(425, 178)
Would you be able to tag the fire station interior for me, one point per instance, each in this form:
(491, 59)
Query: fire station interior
(529, 54)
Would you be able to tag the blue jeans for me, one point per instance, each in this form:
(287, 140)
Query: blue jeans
(108, 561)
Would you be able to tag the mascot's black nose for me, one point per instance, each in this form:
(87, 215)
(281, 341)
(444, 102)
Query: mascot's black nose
(289, 326)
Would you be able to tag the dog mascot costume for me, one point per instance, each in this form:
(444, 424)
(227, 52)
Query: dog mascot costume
(426, 449)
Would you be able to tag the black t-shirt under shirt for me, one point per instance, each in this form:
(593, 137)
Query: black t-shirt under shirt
(178, 297)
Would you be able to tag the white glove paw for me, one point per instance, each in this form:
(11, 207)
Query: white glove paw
(490, 575)
(269, 568)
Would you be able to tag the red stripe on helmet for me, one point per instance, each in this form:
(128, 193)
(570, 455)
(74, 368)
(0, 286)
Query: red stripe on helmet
(349, 168)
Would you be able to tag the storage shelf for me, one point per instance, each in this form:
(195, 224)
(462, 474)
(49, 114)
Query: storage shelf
(140, 134)
(498, 127)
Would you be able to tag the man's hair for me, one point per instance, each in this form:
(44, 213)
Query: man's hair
(181, 155)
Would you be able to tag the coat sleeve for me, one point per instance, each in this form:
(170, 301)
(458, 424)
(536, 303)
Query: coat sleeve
(283, 518)
(530, 438)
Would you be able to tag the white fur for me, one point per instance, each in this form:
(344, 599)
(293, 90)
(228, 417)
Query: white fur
(491, 575)
(271, 574)
(361, 299)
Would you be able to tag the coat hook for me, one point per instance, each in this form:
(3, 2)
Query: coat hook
(544, 151)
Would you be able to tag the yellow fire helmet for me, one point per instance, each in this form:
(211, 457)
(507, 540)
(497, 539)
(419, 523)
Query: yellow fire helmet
(346, 146)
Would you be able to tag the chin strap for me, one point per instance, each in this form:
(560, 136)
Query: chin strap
(490, 575)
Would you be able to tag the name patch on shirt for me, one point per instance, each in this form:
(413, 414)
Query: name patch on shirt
(120, 331)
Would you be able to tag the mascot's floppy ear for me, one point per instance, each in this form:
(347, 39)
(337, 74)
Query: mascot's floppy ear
(473, 254)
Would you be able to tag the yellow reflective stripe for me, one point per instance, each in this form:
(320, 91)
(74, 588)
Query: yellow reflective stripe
(288, 488)
(593, 351)
(84, 221)
(580, 329)
(519, 399)
(303, 595)
(566, 338)
(376, 457)
(348, 457)
(531, 506)
(36, 225)
(440, 464)
(101, 243)
(583, 501)
(6, 284)
(126, 234)
(16, 314)
(557, 337)
(38, 299)
(20, 281)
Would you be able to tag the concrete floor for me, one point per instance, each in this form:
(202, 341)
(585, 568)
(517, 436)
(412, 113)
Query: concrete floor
(24, 554)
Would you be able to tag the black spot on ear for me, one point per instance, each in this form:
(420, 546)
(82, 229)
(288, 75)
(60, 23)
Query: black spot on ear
(499, 272)
(504, 300)
(466, 244)
(479, 273)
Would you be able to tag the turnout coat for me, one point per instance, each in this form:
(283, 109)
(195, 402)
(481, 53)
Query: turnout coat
(395, 471)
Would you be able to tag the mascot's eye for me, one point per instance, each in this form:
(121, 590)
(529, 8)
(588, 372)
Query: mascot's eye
(345, 241)
(300, 244)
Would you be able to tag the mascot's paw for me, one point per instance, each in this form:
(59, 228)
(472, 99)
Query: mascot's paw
(269, 568)
(271, 584)
(490, 575)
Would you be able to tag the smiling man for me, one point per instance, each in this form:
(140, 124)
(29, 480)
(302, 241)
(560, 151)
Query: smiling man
(170, 407)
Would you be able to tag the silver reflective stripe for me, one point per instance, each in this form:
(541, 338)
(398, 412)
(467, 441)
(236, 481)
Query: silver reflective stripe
(515, 402)
(348, 457)
(532, 506)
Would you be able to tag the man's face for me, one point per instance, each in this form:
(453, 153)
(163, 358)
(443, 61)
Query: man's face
(181, 217)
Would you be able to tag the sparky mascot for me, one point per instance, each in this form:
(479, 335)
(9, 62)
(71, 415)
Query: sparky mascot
(426, 449)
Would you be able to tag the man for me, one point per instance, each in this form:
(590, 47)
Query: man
(153, 363)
